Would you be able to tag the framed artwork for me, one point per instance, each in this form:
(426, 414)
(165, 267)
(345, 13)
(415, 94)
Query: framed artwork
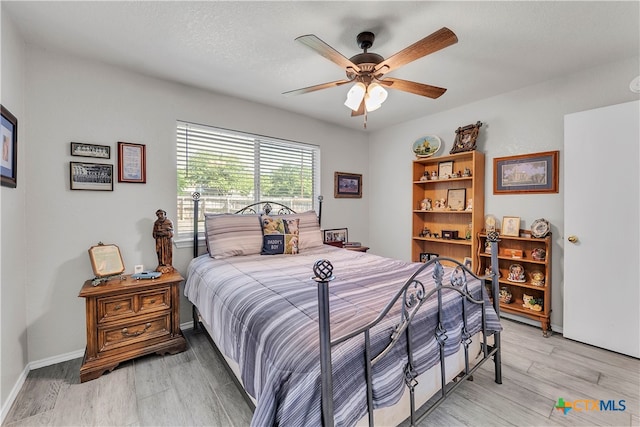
(90, 150)
(466, 138)
(132, 163)
(9, 159)
(456, 199)
(334, 235)
(445, 169)
(347, 185)
(527, 173)
(510, 226)
(106, 260)
(91, 176)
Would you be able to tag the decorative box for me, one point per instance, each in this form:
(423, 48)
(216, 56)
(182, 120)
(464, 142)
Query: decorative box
(513, 253)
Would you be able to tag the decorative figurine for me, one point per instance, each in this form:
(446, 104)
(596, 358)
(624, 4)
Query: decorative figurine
(163, 233)
(425, 205)
(505, 296)
(440, 204)
(537, 278)
(425, 176)
(434, 175)
(467, 172)
(469, 205)
(539, 254)
(516, 273)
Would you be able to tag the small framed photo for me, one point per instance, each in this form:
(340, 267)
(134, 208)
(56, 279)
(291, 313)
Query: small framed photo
(445, 169)
(91, 176)
(510, 226)
(347, 185)
(106, 260)
(456, 199)
(90, 150)
(336, 235)
(467, 263)
(427, 256)
(132, 163)
(466, 138)
(527, 173)
(9, 159)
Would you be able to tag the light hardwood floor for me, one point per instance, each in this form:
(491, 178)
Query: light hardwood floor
(193, 388)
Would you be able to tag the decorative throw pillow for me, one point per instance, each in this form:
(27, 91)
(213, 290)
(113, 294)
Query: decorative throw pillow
(232, 235)
(280, 236)
(309, 229)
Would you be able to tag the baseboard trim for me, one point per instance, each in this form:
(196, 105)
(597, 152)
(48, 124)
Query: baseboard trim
(526, 320)
(56, 359)
(14, 393)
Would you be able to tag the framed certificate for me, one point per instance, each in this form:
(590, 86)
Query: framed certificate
(106, 260)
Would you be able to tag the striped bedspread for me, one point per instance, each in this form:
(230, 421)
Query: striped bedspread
(263, 312)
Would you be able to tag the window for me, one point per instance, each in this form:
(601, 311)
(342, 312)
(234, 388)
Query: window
(232, 169)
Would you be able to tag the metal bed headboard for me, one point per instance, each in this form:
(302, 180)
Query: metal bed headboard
(259, 207)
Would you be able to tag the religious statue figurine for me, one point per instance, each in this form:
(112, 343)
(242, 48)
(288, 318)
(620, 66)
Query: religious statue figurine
(163, 233)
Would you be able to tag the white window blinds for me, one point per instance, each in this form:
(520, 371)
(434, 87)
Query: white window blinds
(233, 169)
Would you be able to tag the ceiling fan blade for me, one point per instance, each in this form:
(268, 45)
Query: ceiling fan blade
(442, 38)
(413, 87)
(316, 87)
(360, 110)
(327, 51)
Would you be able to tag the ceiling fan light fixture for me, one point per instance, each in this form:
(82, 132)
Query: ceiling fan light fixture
(376, 95)
(355, 96)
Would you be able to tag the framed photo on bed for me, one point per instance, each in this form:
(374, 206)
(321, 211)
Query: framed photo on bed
(336, 235)
(347, 185)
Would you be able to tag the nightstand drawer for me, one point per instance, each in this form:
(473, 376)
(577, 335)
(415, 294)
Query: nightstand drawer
(134, 331)
(158, 299)
(115, 307)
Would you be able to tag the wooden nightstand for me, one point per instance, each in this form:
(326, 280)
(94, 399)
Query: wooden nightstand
(130, 318)
(357, 248)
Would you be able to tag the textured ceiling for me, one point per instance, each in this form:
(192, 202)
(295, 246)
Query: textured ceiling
(247, 49)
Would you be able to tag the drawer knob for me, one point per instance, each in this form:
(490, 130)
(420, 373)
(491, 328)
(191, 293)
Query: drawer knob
(126, 333)
(152, 301)
(117, 307)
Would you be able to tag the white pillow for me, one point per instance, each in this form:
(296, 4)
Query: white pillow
(232, 234)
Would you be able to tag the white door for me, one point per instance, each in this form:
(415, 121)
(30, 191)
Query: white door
(601, 209)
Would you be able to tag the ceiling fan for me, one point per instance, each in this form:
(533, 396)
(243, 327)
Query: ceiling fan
(368, 70)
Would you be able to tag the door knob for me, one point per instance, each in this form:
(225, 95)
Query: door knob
(572, 239)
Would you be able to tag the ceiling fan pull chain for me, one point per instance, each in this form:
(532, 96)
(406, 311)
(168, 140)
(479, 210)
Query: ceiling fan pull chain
(365, 118)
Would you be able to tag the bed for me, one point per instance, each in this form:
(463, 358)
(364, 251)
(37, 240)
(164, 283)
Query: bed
(320, 335)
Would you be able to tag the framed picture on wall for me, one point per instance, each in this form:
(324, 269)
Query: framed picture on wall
(91, 176)
(527, 173)
(90, 150)
(132, 163)
(9, 159)
(347, 185)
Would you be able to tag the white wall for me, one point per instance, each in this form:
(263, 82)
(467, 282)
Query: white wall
(69, 99)
(524, 121)
(13, 320)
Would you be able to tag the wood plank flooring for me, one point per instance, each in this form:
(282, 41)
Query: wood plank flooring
(194, 389)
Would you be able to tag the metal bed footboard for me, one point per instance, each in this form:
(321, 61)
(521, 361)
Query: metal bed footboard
(413, 295)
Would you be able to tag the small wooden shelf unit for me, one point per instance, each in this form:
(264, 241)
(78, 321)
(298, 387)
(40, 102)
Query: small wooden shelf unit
(130, 318)
(526, 244)
(436, 220)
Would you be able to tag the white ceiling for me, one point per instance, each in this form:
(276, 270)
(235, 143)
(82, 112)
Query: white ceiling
(247, 49)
